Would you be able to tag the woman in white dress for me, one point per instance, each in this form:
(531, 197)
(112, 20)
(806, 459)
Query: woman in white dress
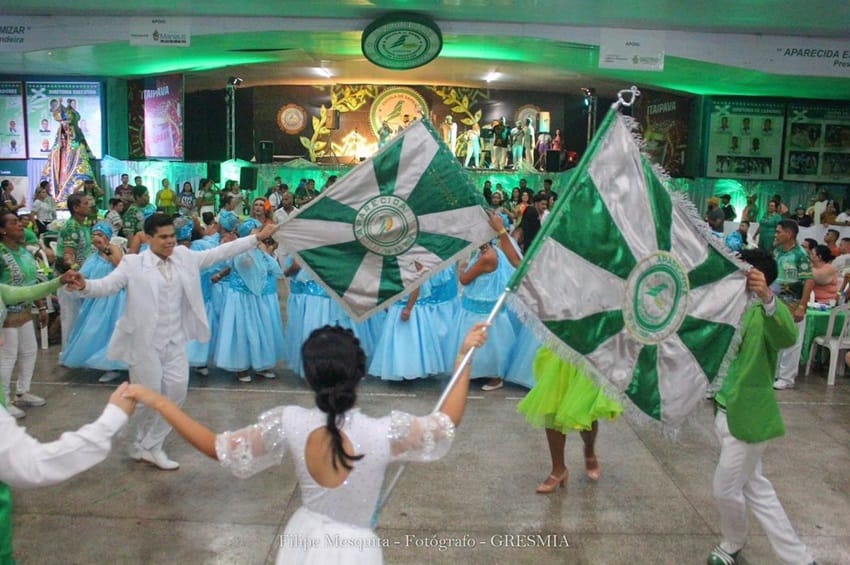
(340, 487)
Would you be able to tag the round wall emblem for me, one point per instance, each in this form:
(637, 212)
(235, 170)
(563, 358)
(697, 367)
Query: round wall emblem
(656, 298)
(392, 105)
(386, 225)
(292, 119)
(528, 111)
(401, 41)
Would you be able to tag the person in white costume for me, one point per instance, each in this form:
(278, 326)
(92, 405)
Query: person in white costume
(340, 483)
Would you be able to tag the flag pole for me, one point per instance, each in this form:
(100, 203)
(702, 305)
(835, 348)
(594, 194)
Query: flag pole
(467, 359)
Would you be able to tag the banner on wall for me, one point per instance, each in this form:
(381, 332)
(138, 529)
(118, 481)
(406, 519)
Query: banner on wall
(161, 32)
(664, 125)
(12, 135)
(817, 143)
(44, 101)
(163, 100)
(631, 49)
(744, 139)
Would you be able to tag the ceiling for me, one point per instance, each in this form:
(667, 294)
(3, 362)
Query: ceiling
(545, 45)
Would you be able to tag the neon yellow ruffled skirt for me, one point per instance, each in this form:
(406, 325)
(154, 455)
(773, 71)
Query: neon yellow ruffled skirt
(564, 398)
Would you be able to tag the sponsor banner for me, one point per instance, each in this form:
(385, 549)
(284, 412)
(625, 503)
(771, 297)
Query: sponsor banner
(163, 108)
(744, 138)
(632, 49)
(44, 103)
(161, 32)
(817, 143)
(664, 121)
(12, 134)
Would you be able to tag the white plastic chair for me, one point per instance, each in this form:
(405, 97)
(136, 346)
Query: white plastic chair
(834, 343)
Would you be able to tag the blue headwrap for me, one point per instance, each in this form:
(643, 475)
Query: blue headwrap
(249, 225)
(103, 228)
(228, 220)
(184, 232)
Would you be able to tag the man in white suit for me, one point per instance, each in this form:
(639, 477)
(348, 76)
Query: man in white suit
(164, 311)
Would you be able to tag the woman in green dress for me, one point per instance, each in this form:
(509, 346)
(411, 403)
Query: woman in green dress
(564, 400)
(767, 227)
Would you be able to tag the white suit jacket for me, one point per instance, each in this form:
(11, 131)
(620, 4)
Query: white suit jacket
(134, 332)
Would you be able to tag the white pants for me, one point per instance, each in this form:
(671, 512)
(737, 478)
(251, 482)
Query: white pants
(516, 155)
(739, 485)
(789, 359)
(166, 371)
(19, 347)
(69, 309)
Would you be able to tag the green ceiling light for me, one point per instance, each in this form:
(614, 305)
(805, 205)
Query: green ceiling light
(401, 41)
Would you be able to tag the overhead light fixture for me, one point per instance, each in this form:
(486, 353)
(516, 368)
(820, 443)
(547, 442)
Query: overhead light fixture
(588, 92)
(493, 75)
(325, 72)
(234, 81)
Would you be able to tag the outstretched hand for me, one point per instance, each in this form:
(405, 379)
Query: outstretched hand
(119, 399)
(139, 393)
(74, 280)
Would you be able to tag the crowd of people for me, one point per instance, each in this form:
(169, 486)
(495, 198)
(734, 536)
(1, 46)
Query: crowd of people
(197, 286)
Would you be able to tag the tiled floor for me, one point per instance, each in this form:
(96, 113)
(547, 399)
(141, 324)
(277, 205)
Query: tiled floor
(653, 503)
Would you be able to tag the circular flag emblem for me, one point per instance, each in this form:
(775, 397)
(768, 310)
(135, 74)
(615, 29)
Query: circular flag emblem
(656, 299)
(386, 225)
(401, 41)
(292, 119)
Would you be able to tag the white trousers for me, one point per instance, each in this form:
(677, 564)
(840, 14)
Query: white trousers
(19, 347)
(69, 309)
(739, 485)
(499, 158)
(166, 371)
(789, 359)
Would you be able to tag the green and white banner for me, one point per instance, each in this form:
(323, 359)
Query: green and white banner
(626, 276)
(12, 138)
(389, 224)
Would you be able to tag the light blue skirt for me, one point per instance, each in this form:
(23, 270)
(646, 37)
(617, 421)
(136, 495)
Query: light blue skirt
(250, 332)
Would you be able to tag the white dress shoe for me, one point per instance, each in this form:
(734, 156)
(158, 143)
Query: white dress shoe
(158, 458)
(109, 376)
(135, 452)
(15, 412)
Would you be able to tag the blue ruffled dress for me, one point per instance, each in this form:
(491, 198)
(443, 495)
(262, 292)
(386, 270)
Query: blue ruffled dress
(477, 301)
(411, 349)
(199, 353)
(308, 308)
(93, 327)
(250, 326)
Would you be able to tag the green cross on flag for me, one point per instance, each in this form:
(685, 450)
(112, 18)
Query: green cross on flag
(389, 224)
(623, 274)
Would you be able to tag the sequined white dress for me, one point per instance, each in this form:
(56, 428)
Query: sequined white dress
(333, 524)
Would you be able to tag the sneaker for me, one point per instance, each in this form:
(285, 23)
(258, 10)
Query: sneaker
(15, 412)
(267, 374)
(720, 556)
(27, 399)
(244, 378)
(782, 385)
(203, 371)
(109, 376)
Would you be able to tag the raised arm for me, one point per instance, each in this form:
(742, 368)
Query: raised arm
(25, 462)
(428, 438)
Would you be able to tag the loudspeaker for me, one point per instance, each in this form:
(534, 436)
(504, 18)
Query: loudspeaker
(214, 171)
(333, 119)
(553, 161)
(265, 152)
(248, 178)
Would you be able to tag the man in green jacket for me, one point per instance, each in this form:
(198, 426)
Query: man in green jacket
(747, 416)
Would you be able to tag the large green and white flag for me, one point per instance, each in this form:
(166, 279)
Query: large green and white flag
(623, 274)
(390, 223)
